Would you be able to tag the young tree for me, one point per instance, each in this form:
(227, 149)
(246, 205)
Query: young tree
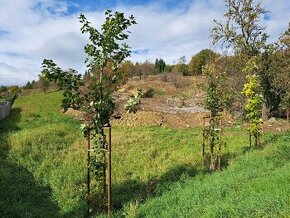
(105, 52)
(216, 101)
(252, 91)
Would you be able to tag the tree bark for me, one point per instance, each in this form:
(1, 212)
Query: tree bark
(265, 112)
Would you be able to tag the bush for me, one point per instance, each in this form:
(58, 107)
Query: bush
(177, 79)
(163, 77)
(149, 93)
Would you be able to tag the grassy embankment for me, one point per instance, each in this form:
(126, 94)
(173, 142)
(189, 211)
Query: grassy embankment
(156, 170)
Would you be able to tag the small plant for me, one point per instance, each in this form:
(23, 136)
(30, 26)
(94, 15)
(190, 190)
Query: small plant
(130, 210)
(253, 106)
(183, 97)
(149, 93)
(160, 92)
(133, 103)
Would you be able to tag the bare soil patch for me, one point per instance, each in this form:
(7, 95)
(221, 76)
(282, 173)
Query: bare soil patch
(170, 106)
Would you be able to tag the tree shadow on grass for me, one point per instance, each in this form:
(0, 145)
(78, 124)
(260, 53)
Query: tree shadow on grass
(20, 195)
(225, 161)
(133, 190)
(8, 125)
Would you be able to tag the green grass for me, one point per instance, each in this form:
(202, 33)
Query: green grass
(160, 92)
(254, 185)
(156, 171)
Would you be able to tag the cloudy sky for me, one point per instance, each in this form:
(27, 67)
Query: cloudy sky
(31, 30)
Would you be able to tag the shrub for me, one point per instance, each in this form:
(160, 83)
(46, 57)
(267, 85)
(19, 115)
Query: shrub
(149, 93)
(132, 104)
(163, 77)
(177, 79)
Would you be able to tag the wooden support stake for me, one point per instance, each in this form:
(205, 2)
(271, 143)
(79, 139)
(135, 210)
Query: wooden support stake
(104, 170)
(220, 145)
(89, 168)
(109, 174)
(203, 145)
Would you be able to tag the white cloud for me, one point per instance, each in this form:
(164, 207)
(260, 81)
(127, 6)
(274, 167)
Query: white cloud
(31, 30)
(9, 74)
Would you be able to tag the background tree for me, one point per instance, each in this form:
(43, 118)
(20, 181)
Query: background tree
(144, 69)
(280, 69)
(28, 85)
(160, 66)
(127, 68)
(181, 66)
(87, 78)
(168, 68)
(199, 60)
(241, 30)
(43, 83)
(138, 70)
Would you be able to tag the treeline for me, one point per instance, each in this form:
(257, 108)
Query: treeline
(141, 70)
(191, 68)
(41, 83)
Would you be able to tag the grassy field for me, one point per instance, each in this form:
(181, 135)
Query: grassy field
(156, 171)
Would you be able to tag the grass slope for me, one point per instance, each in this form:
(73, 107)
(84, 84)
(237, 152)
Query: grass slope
(257, 184)
(156, 170)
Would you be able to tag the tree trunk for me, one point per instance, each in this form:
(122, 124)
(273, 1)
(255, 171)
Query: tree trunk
(203, 148)
(212, 159)
(265, 112)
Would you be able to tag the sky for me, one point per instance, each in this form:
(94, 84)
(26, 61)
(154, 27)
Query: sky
(33, 30)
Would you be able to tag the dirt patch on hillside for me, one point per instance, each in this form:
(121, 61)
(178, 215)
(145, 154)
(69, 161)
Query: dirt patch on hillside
(170, 106)
(276, 125)
(74, 113)
(171, 120)
(179, 120)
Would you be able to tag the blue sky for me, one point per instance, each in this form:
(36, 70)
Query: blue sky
(31, 30)
(100, 5)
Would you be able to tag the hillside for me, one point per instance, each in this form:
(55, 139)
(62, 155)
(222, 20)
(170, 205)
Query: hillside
(156, 169)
